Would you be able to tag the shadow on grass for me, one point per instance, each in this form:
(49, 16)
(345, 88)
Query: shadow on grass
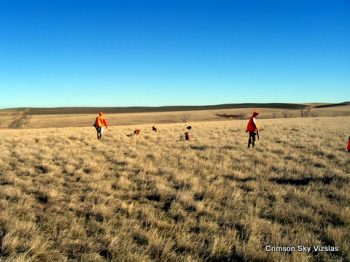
(228, 147)
(41, 169)
(304, 180)
(106, 254)
(199, 148)
(239, 179)
(153, 196)
(2, 235)
(168, 202)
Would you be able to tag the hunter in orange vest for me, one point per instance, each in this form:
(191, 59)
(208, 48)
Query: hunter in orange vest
(100, 124)
(253, 130)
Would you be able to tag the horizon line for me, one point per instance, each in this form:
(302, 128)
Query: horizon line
(188, 105)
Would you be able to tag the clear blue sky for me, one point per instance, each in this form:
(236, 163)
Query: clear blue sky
(173, 52)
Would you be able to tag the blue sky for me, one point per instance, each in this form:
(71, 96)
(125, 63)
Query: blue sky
(173, 52)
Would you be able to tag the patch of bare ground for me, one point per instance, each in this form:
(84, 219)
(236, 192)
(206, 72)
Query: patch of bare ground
(154, 197)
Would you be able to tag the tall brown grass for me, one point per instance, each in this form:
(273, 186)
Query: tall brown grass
(66, 196)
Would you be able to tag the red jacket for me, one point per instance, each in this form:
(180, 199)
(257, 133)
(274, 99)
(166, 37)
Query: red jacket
(348, 145)
(100, 121)
(251, 127)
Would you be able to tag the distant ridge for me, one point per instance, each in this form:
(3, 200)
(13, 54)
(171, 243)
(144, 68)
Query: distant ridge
(334, 105)
(136, 109)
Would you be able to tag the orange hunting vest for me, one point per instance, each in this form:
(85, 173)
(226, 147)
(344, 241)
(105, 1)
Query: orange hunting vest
(100, 121)
(251, 127)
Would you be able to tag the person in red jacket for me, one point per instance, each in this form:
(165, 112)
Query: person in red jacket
(348, 148)
(100, 124)
(253, 130)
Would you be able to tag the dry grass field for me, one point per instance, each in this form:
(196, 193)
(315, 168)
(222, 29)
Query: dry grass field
(64, 196)
(23, 118)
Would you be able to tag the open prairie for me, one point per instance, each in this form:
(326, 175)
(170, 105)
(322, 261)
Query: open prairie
(82, 117)
(154, 197)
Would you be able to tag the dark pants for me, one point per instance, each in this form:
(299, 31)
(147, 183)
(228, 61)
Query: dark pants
(99, 132)
(251, 140)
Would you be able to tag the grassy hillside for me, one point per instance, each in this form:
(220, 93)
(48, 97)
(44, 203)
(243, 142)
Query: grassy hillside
(333, 105)
(156, 197)
(139, 109)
